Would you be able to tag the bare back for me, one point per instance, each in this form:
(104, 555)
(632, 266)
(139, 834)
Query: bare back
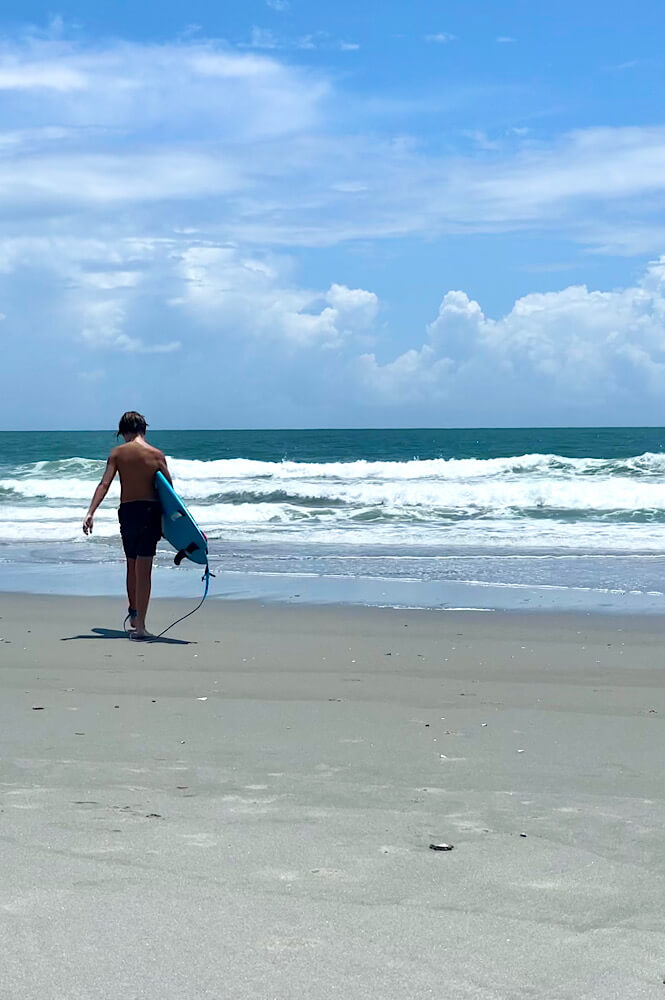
(137, 462)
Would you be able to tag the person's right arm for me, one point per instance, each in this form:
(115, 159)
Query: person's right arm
(100, 492)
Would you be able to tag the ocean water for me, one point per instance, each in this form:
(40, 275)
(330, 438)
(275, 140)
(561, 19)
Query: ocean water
(497, 515)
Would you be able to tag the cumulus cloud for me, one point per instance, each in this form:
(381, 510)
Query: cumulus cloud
(102, 327)
(89, 287)
(228, 289)
(577, 350)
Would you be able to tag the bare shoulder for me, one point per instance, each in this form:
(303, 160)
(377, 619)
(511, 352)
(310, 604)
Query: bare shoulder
(111, 468)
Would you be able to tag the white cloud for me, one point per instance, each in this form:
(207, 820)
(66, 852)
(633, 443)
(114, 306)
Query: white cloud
(481, 139)
(524, 184)
(441, 37)
(622, 67)
(232, 291)
(110, 293)
(356, 306)
(631, 161)
(308, 41)
(263, 38)
(193, 162)
(504, 40)
(190, 87)
(94, 288)
(572, 351)
(279, 5)
(243, 146)
(103, 323)
(266, 38)
(104, 180)
(40, 76)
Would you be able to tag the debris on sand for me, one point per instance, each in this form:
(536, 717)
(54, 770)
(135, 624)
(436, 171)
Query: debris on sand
(441, 847)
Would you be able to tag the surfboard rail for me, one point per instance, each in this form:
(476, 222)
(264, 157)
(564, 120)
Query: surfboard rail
(178, 526)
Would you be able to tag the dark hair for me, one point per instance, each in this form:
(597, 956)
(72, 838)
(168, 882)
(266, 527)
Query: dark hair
(132, 423)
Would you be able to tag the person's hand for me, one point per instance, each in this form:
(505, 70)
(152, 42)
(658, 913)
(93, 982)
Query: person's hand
(87, 525)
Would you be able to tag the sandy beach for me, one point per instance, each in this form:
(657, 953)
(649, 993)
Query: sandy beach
(246, 810)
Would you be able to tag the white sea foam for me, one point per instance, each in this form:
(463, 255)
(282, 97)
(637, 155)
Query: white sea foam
(532, 482)
(527, 502)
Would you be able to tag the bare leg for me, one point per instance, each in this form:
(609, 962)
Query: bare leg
(143, 585)
(131, 582)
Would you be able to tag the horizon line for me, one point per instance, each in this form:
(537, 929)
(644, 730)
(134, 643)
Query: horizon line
(280, 430)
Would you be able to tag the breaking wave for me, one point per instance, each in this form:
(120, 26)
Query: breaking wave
(528, 500)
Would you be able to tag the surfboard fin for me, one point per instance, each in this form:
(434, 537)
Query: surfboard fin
(183, 553)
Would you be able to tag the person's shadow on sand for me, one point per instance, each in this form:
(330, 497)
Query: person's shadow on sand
(114, 633)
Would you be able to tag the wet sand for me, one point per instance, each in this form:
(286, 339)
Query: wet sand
(246, 812)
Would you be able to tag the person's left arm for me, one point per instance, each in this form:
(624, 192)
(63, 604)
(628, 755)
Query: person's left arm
(100, 493)
(163, 468)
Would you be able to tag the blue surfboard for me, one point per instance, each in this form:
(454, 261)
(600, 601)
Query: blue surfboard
(179, 527)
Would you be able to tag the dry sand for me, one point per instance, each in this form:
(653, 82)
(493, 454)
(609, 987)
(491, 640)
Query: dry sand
(248, 815)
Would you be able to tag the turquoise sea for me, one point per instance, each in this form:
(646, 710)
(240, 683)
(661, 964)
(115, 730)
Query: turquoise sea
(436, 518)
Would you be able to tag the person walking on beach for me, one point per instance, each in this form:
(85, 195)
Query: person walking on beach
(140, 512)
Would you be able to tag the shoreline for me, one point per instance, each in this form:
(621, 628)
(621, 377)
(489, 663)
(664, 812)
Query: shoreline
(107, 580)
(224, 614)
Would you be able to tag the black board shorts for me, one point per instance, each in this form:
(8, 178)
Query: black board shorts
(140, 527)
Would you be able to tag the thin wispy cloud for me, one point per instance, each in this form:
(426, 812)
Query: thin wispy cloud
(267, 39)
(481, 140)
(279, 5)
(623, 66)
(505, 40)
(223, 117)
(263, 38)
(441, 38)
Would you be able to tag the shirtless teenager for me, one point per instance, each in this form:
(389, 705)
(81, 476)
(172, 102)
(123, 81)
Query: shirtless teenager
(140, 513)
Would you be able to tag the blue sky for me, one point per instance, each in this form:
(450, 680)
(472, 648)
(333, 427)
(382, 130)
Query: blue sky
(313, 214)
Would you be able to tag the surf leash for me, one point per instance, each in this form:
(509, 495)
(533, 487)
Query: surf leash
(206, 577)
(131, 618)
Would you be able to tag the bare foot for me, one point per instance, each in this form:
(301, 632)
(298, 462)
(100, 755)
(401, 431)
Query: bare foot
(141, 636)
